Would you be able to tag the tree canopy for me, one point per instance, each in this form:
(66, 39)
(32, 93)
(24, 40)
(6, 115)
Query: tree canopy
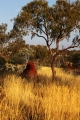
(52, 23)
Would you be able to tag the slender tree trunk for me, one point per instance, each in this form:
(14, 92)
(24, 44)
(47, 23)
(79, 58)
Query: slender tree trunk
(54, 57)
(53, 69)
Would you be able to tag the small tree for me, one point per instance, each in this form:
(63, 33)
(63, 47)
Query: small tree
(53, 24)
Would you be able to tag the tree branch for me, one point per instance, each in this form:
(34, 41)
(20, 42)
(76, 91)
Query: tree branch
(39, 35)
(71, 46)
(62, 38)
(49, 48)
(42, 30)
(57, 42)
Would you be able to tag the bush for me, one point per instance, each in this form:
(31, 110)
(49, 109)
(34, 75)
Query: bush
(2, 64)
(17, 59)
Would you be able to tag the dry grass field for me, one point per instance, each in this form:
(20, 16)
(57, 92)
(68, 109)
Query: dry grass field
(46, 100)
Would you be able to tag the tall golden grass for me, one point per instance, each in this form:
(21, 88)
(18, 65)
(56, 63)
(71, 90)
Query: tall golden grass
(23, 100)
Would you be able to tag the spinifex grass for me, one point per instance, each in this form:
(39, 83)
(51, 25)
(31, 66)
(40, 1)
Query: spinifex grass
(22, 100)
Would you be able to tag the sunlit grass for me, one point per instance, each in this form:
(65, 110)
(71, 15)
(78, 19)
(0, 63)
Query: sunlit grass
(17, 89)
(61, 75)
(23, 100)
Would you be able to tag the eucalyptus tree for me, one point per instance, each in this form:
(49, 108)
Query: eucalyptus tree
(53, 24)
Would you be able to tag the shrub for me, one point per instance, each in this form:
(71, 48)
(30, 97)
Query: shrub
(2, 64)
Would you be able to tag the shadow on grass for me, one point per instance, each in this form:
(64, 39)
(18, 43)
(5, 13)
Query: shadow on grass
(74, 72)
(59, 82)
(44, 80)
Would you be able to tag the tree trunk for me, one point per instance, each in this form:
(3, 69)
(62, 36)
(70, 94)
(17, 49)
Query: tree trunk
(53, 69)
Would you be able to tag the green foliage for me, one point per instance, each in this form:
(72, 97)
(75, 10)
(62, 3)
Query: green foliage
(36, 18)
(17, 58)
(15, 46)
(50, 23)
(21, 56)
(3, 35)
(2, 64)
(71, 58)
(2, 61)
(41, 52)
(75, 58)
